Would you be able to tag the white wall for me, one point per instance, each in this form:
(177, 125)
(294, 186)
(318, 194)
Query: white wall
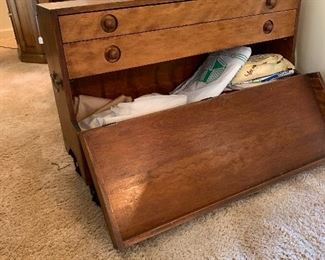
(311, 37)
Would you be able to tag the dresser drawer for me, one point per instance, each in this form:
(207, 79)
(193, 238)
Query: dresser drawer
(179, 163)
(121, 52)
(93, 25)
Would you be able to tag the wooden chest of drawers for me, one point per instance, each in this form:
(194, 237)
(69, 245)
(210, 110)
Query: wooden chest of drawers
(157, 171)
(24, 21)
(23, 18)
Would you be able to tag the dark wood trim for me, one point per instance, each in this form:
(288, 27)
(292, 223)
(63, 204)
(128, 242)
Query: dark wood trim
(32, 58)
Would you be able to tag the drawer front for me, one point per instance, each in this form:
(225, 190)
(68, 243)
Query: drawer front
(122, 52)
(86, 26)
(197, 156)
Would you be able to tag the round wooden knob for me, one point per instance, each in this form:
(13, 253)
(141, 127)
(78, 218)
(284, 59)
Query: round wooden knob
(112, 54)
(109, 23)
(268, 27)
(271, 3)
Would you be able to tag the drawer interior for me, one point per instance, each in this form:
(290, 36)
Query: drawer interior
(182, 162)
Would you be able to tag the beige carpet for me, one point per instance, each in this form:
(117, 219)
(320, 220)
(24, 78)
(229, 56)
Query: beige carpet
(46, 210)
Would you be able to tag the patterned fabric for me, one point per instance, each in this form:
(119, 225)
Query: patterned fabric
(259, 66)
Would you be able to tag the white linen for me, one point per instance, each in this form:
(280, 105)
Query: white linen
(140, 106)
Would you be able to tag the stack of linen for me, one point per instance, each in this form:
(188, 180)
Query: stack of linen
(261, 69)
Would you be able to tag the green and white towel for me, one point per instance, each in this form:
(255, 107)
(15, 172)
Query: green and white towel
(214, 75)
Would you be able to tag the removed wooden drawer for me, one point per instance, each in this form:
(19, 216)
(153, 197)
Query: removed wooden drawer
(155, 172)
(86, 26)
(122, 52)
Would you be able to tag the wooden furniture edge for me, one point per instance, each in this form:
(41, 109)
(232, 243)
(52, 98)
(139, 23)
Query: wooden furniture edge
(80, 6)
(62, 92)
(104, 202)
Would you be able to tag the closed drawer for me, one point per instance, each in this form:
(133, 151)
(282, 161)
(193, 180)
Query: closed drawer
(122, 52)
(157, 171)
(86, 26)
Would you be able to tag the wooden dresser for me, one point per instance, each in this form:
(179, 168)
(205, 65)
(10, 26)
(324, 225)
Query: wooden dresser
(24, 21)
(155, 172)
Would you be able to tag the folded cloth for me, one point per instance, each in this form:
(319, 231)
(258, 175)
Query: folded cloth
(261, 81)
(214, 75)
(113, 103)
(140, 106)
(85, 106)
(259, 66)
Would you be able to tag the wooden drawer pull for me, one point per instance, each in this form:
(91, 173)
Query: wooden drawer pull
(109, 23)
(271, 3)
(268, 27)
(112, 54)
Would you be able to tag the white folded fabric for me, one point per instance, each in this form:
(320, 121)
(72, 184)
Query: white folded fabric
(140, 106)
(214, 75)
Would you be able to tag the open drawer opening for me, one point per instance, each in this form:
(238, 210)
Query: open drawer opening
(155, 172)
(161, 78)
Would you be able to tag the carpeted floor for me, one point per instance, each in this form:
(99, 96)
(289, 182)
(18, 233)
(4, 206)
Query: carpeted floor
(46, 210)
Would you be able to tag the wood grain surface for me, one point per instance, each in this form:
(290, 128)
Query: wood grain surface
(149, 18)
(82, 6)
(88, 57)
(162, 169)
